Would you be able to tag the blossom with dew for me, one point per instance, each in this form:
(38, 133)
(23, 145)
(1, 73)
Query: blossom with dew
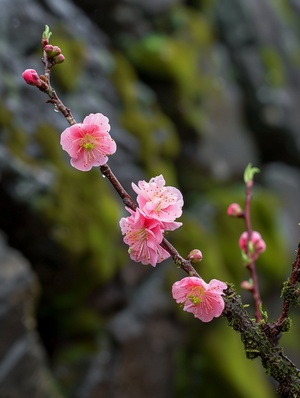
(143, 235)
(158, 201)
(88, 143)
(252, 247)
(202, 299)
(234, 210)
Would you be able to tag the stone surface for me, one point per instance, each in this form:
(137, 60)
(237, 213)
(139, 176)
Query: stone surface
(23, 365)
(263, 47)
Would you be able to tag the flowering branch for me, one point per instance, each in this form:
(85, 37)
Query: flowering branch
(248, 178)
(154, 212)
(250, 242)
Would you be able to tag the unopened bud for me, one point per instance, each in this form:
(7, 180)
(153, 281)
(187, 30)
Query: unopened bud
(52, 51)
(195, 256)
(253, 246)
(59, 59)
(247, 285)
(234, 210)
(31, 77)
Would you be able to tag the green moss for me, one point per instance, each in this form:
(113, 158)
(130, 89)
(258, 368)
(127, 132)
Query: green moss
(143, 118)
(47, 137)
(13, 136)
(191, 25)
(274, 67)
(67, 74)
(179, 60)
(166, 58)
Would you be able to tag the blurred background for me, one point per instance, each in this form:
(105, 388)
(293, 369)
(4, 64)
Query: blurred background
(194, 90)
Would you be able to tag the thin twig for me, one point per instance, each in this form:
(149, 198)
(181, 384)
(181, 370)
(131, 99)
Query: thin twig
(251, 266)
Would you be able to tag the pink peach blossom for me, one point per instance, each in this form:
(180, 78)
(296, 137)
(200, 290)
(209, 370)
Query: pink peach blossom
(143, 235)
(253, 246)
(88, 143)
(203, 300)
(158, 201)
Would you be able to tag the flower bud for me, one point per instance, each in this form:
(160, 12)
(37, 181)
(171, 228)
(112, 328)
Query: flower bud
(59, 59)
(247, 285)
(52, 51)
(253, 246)
(195, 256)
(234, 210)
(48, 48)
(31, 77)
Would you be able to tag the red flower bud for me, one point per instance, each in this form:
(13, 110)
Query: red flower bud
(234, 210)
(31, 77)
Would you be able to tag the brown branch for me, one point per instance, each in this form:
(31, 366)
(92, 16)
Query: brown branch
(126, 198)
(291, 296)
(257, 344)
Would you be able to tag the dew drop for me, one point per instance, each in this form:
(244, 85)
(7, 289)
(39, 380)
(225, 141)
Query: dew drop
(56, 108)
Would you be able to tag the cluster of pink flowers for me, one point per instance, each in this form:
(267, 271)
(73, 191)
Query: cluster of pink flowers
(202, 299)
(252, 245)
(159, 206)
(88, 143)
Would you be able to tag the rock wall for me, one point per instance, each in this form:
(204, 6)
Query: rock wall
(23, 363)
(194, 90)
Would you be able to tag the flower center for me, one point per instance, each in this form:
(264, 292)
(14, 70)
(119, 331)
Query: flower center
(140, 235)
(88, 142)
(196, 297)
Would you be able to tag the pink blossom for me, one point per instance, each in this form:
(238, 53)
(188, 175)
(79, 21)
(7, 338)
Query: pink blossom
(88, 143)
(253, 246)
(203, 300)
(143, 235)
(157, 201)
(31, 77)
